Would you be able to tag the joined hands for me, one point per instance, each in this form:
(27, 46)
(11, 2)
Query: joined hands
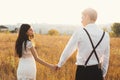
(54, 67)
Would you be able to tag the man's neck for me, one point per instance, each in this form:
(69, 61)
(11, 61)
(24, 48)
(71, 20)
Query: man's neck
(89, 22)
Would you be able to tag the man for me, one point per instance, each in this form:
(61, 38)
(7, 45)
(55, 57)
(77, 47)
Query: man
(93, 49)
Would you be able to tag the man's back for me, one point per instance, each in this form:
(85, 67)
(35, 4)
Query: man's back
(85, 47)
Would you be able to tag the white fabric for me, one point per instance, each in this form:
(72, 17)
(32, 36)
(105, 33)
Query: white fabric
(80, 41)
(27, 66)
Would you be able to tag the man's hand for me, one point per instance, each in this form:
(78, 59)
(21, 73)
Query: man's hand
(57, 68)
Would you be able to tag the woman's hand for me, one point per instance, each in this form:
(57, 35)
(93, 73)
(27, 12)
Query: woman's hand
(54, 67)
(103, 78)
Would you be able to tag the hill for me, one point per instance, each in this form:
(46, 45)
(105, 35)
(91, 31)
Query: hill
(63, 29)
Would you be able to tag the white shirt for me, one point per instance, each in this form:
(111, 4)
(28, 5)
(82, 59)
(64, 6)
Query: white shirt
(80, 41)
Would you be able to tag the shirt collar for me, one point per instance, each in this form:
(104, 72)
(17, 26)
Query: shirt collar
(91, 25)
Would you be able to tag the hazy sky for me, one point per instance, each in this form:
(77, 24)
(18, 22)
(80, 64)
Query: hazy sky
(56, 11)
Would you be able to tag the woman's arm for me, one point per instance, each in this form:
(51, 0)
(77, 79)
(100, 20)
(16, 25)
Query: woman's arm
(34, 52)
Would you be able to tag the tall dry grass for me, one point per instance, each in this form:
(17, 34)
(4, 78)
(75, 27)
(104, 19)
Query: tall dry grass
(50, 48)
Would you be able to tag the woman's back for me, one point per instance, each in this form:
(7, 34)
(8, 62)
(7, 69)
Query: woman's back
(27, 66)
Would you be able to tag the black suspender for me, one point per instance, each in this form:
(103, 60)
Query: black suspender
(94, 47)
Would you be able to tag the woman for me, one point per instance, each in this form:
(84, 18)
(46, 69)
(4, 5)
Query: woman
(27, 54)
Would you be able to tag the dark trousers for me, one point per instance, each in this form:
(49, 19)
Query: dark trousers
(88, 73)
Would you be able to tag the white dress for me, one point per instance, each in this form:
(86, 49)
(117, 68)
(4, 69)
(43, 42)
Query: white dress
(27, 66)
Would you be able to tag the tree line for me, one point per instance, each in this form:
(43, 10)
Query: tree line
(115, 30)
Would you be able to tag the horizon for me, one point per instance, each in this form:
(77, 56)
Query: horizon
(68, 29)
(55, 24)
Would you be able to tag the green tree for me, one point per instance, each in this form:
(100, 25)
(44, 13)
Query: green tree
(116, 29)
(53, 32)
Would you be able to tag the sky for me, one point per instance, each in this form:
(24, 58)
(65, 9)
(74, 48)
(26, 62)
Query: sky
(57, 11)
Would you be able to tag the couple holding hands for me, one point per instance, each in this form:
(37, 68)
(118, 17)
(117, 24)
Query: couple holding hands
(92, 58)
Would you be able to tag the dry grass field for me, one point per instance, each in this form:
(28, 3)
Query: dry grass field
(50, 48)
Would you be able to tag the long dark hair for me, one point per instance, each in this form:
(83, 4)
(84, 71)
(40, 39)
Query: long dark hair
(22, 37)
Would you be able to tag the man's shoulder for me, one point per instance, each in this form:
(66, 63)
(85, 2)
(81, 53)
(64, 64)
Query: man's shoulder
(79, 29)
(78, 32)
(107, 34)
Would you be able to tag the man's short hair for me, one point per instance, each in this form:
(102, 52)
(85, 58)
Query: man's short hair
(91, 13)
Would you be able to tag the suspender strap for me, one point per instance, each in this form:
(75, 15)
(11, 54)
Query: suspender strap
(94, 47)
